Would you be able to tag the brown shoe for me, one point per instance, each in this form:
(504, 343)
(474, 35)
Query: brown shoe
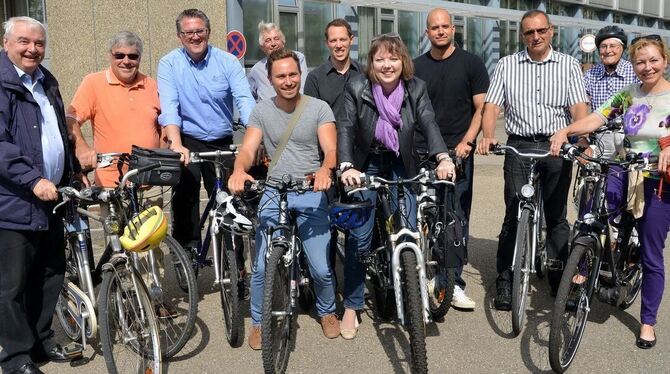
(330, 326)
(255, 338)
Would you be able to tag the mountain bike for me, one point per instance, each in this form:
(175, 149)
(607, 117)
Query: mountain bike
(129, 332)
(593, 249)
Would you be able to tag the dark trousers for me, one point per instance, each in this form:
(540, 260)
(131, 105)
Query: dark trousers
(186, 199)
(463, 199)
(32, 268)
(555, 175)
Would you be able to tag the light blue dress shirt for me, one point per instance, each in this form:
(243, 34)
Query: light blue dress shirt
(53, 151)
(198, 97)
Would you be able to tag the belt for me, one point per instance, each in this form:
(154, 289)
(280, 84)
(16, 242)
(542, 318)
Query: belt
(536, 138)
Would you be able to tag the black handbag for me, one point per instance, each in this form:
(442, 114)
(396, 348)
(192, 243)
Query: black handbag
(166, 174)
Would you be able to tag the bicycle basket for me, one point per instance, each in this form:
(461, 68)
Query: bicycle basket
(167, 174)
(347, 216)
(145, 231)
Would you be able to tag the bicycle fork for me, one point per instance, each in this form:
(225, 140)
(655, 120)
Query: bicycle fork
(397, 269)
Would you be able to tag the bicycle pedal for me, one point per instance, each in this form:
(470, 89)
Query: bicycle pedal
(554, 265)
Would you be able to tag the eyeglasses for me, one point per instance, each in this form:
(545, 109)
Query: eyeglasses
(613, 46)
(131, 56)
(192, 33)
(654, 37)
(392, 35)
(541, 31)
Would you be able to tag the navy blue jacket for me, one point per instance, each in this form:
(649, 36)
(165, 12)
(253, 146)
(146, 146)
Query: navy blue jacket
(21, 149)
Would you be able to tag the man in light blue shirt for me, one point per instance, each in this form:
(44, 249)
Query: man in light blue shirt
(270, 39)
(197, 85)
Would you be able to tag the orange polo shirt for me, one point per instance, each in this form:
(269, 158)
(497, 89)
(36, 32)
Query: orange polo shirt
(120, 116)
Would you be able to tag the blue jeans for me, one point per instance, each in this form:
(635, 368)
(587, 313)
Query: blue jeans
(314, 231)
(390, 167)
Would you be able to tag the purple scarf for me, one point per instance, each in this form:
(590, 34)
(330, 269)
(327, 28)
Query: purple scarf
(389, 121)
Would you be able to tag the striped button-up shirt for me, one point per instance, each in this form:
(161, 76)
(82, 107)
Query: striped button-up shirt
(536, 95)
(600, 85)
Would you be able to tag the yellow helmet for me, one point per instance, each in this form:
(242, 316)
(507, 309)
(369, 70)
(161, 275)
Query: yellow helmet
(145, 231)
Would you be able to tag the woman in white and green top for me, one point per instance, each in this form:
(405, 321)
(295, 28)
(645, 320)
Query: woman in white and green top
(646, 116)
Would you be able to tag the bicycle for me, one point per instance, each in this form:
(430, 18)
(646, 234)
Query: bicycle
(530, 255)
(125, 314)
(166, 269)
(287, 278)
(592, 247)
(227, 276)
(396, 264)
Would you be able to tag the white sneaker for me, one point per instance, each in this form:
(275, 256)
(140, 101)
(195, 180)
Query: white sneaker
(461, 301)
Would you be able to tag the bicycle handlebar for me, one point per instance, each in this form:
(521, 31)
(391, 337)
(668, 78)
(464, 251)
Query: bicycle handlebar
(211, 156)
(501, 149)
(372, 182)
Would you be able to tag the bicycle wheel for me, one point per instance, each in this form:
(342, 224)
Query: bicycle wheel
(169, 277)
(128, 329)
(572, 306)
(541, 251)
(230, 294)
(414, 312)
(69, 325)
(277, 321)
(440, 291)
(632, 275)
(521, 271)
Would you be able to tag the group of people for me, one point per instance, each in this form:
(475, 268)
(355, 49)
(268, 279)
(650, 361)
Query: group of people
(384, 118)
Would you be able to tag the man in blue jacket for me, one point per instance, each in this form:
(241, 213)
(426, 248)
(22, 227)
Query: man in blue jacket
(35, 158)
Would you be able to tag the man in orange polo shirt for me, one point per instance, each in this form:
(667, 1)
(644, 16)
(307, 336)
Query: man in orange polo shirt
(122, 105)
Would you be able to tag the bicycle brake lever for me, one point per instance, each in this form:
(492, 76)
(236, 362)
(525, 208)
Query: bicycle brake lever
(65, 200)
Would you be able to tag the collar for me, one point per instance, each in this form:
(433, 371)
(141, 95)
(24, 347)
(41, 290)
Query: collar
(114, 81)
(25, 77)
(619, 71)
(353, 64)
(551, 57)
(203, 61)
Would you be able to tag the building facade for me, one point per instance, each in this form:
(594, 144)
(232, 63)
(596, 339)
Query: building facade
(79, 29)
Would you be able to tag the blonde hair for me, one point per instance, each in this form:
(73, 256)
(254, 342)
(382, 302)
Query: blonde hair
(645, 42)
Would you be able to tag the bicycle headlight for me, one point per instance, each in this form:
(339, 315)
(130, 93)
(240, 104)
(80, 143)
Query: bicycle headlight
(589, 218)
(527, 191)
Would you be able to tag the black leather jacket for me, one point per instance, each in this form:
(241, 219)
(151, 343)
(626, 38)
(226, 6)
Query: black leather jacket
(356, 131)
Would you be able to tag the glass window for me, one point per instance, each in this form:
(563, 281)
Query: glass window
(288, 3)
(409, 28)
(387, 26)
(288, 22)
(475, 36)
(30, 8)
(254, 11)
(509, 38)
(366, 31)
(316, 16)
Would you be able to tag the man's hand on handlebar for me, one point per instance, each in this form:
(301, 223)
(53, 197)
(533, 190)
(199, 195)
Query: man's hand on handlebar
(557, 140)
(185, 153)
(484, 146)
(322, 179)
(88, 158)
(45, 190)
(236, 182)
(351, 177)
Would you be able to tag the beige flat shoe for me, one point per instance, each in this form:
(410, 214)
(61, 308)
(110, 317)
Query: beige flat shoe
(349, 334)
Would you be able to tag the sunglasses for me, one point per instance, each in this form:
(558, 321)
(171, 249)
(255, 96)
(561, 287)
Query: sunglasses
(131, 56)
(541, 31)
(654, 37)
(190, 34)
(392, 35)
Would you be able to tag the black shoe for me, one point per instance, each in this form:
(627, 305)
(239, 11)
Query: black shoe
(554, 279)
(70, 352)
(646, 344)
(28, 368)
(503, 300)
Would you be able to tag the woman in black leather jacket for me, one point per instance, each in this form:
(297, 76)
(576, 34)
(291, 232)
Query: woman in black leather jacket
(383, 110)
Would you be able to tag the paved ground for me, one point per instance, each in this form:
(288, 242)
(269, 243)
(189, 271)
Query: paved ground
(474, 342)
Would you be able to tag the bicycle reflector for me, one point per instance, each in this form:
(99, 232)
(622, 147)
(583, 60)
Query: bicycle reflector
(145, 231)
(347, 216)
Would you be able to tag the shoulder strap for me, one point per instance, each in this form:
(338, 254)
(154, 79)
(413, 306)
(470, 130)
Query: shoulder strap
(289, 130)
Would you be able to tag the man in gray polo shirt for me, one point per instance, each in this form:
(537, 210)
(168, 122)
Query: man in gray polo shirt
(542, 91)
(314, 130)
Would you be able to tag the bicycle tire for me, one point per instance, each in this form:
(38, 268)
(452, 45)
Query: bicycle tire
(632, 275)
(174, 294)
(276, 330)
(124, 297)
(414, 321)
(439, 300)
(521, 271)
(541, 251)
(69, 326)
(229, 291)
(583, 260)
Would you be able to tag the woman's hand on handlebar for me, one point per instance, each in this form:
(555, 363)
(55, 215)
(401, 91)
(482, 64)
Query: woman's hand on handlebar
(557, 140)
(351, 177)
(664, 160)
(322, 179)
(446, 170)
(237, 180)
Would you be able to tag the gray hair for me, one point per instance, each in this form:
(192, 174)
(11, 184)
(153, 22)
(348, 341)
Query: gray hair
(265, 28)
(10, 23)
(128, 39)
(192, 13)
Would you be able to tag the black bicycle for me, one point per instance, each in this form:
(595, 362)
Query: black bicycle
(594, 250)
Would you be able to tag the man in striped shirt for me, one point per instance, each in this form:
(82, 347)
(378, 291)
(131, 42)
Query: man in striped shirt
(541, 91)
